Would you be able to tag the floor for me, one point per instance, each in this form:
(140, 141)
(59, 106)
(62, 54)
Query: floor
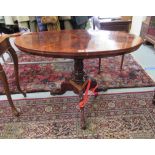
(145, 56)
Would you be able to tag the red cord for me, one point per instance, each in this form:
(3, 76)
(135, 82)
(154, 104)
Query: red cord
(85, 98)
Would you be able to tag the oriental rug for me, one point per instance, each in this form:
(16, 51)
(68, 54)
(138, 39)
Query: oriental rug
(123, 116)
(43, 74)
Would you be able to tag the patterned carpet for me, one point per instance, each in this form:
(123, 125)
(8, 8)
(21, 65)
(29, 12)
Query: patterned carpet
(128, 115)
(38, 77)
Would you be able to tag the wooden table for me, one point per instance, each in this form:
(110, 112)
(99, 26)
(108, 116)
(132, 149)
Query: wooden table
(78, 45)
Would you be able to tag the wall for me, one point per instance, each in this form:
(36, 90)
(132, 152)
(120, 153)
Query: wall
(136, 24)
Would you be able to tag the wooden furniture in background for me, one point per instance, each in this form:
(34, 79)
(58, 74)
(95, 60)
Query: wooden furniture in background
(112, 24)
(122, 23)
(148, 29)
(6, 47)
(78, 45)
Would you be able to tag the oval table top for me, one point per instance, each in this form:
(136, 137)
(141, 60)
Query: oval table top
(78, 43)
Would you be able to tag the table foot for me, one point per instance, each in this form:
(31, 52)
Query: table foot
(65, 86)
(100, 89)
(22, 92)
(15, 112)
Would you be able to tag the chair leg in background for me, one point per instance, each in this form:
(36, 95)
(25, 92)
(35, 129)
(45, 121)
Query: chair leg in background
(7, 91)
(122, 60)
(99, 67)
(15, 60)
(3, 59)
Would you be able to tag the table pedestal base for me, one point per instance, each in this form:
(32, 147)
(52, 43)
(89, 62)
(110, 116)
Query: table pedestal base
(78, 84)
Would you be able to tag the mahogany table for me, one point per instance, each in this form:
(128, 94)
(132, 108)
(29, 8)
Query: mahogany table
(78, 45)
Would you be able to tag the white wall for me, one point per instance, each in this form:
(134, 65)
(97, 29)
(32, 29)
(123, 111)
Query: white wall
(136, 24)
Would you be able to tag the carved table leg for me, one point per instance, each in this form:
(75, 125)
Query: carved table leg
(78, 71)
(82, 116)
(83, 122)
(7, 91)
(15, 60)
(78, 78)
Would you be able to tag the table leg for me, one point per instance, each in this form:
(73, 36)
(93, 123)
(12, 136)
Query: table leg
(99, 66)
(15, 60)
(83, 122)
(122, 62)
(7, 91)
